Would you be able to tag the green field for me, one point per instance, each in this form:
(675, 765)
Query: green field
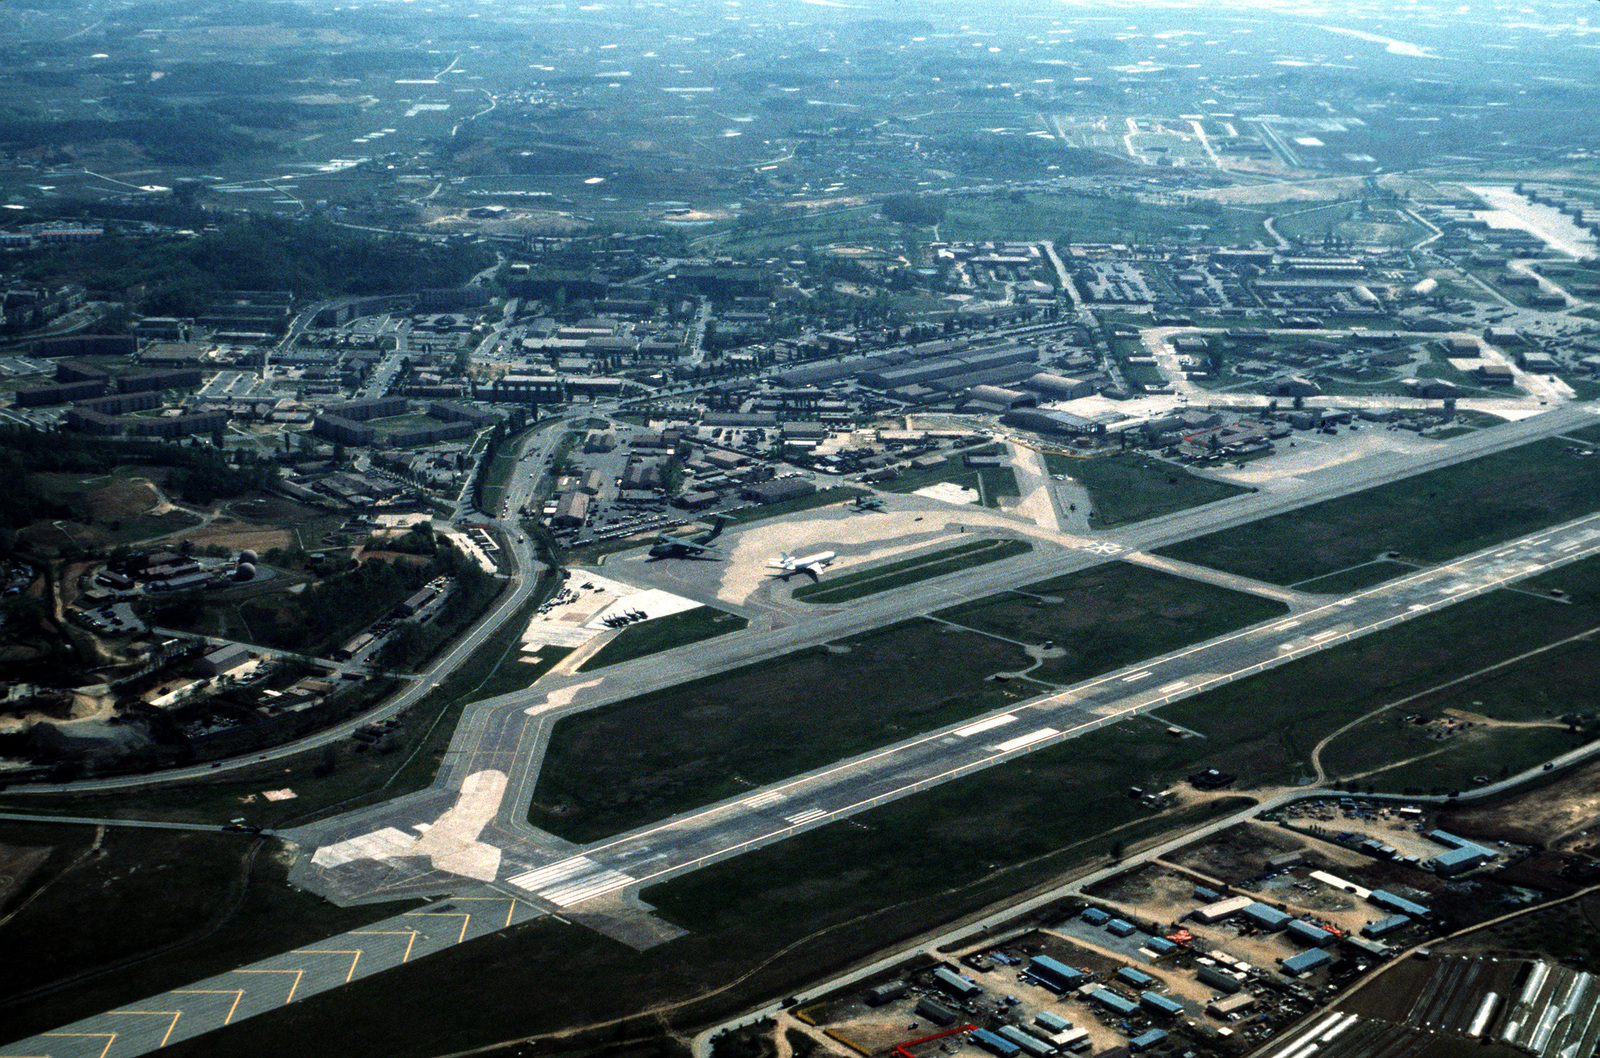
(910, 571)
(665, 633)
(1131, 488)
(1426, 518)
(991, 483)
(1505, 721)
(1266, 726)
(763, 925)
(1112, 615)
(637, 761)
(1355, 578)
(185, 906)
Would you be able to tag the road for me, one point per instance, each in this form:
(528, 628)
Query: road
(474, 837)
(508, 735)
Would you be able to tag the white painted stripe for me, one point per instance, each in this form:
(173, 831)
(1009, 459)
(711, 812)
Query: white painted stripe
(607, 881)
(555, 872)
(1320, 636)
(771, 797)
(984, 725)
(1027, 740)
(1175, 685)
(1333, 1033)
(1136, 676)
(807, 816)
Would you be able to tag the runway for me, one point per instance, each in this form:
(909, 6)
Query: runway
(481, 795)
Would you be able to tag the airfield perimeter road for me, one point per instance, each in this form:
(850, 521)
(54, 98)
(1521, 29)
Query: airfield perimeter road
(476, 843)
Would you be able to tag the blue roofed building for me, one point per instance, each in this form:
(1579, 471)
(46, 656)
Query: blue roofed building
(1109, 1000)
(1137, 978)
(1146, 1040)
(1385, 925)
(996, 1045)
(1305, 962)
(1160, 1004)
(1265, 916)
(1306, 933)
(1390, 902)
(1053, 974)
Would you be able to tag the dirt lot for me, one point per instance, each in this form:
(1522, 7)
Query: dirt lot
(1239, 853)
(1557, 816)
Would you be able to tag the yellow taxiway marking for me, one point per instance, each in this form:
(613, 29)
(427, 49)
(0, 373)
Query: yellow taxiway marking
(355, 957)
(462, 915)
(109, 1037)
(297, 975)
(411, 933)
(510, 911)
(176, 1014)
(236, 993)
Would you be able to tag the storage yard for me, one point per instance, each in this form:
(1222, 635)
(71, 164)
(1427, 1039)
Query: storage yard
(1223, 944)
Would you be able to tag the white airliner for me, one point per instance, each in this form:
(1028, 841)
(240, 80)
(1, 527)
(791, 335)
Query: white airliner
(787, 565)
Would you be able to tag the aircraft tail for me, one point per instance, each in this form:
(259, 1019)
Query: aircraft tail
(716, 528)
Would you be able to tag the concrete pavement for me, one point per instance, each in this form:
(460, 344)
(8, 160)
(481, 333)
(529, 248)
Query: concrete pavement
(480, 798)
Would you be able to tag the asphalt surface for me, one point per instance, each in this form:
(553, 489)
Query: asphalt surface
(535, 873)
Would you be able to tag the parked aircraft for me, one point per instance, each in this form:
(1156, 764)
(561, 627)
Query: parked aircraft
(867, 503)
(788, 565)
(666, 546)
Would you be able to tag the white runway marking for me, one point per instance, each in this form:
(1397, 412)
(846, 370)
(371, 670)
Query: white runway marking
(1027, 740)
(984, 725)
(771, 797)
(806, 817)
(571, 881)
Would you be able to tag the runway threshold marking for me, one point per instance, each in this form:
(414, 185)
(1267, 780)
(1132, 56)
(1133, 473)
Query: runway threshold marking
(571, 881)
(984, 725)
(176, 1014)
(236, 993)
(607, 881)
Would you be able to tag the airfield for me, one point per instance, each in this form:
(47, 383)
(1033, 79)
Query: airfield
(467, 845)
